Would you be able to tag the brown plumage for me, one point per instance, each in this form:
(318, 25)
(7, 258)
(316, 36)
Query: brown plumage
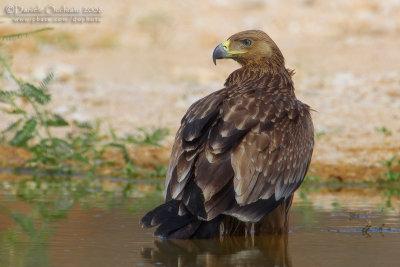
(240, 152)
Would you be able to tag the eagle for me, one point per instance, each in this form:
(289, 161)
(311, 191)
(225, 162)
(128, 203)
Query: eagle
(240, 152)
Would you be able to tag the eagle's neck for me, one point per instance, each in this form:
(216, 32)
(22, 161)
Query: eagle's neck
(272, 78)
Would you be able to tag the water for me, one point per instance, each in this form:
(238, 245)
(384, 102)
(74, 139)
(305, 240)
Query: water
(66, 225)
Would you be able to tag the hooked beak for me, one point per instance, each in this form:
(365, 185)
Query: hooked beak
(223, 51)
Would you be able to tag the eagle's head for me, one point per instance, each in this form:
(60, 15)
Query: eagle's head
(253, 47)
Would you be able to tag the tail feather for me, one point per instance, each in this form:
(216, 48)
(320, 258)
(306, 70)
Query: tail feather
(172, 225)
(160, 214)
(208, 229)
(186, 231)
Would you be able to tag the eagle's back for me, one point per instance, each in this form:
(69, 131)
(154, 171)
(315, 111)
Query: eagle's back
(240, 152)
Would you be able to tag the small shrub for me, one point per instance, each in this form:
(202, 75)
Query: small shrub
(83, 147)
(390, 175)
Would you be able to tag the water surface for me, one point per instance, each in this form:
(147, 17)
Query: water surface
(70, 226)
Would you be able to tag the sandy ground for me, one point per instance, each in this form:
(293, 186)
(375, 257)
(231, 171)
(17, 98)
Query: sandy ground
(147, 61)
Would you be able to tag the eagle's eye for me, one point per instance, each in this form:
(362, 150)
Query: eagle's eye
(246, 42)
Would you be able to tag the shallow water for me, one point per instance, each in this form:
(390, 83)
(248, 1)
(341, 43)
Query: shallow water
(359, 227)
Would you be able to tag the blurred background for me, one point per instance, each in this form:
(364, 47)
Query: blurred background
(145, 62)
(90, 109)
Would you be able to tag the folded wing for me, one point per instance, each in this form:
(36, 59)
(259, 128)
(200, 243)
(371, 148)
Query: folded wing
(239, 155)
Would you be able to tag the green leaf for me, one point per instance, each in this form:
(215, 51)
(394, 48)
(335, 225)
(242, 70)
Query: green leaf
(79, 157)
(57, 121)
(11, 128)
(124, 151)
(4, 62)
(388, 163)
(16, 111)
(84, 125)
(33, 93)
(159, 171)
(148, 138)
(383, 130)
(7, 96)
(25, 222)
(112, 133)
(25, 134)
(46, 81)
(131, 170)
(62, 144)
(42, 158)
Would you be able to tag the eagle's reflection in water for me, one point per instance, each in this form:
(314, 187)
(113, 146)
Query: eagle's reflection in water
(266, 250)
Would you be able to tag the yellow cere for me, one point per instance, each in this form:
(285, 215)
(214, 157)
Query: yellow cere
(226, 46)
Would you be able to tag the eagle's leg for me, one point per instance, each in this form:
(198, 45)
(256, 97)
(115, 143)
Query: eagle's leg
(232, 226)
(277, 221)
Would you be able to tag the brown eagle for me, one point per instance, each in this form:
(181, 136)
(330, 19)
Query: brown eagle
(240, 152)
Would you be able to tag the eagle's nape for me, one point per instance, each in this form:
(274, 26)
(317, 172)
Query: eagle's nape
(240, 152)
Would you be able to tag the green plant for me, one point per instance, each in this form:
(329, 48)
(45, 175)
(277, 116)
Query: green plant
(390, 193)
(310, 179)
(160, 171)
(319, 134)
(383, 130)
(146, 137)
(83, 147)
(308, 186)
(390, 175)
(33, 129)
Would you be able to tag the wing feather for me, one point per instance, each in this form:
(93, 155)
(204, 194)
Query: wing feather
(188, 143)
(238, 153)
(280, 155)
